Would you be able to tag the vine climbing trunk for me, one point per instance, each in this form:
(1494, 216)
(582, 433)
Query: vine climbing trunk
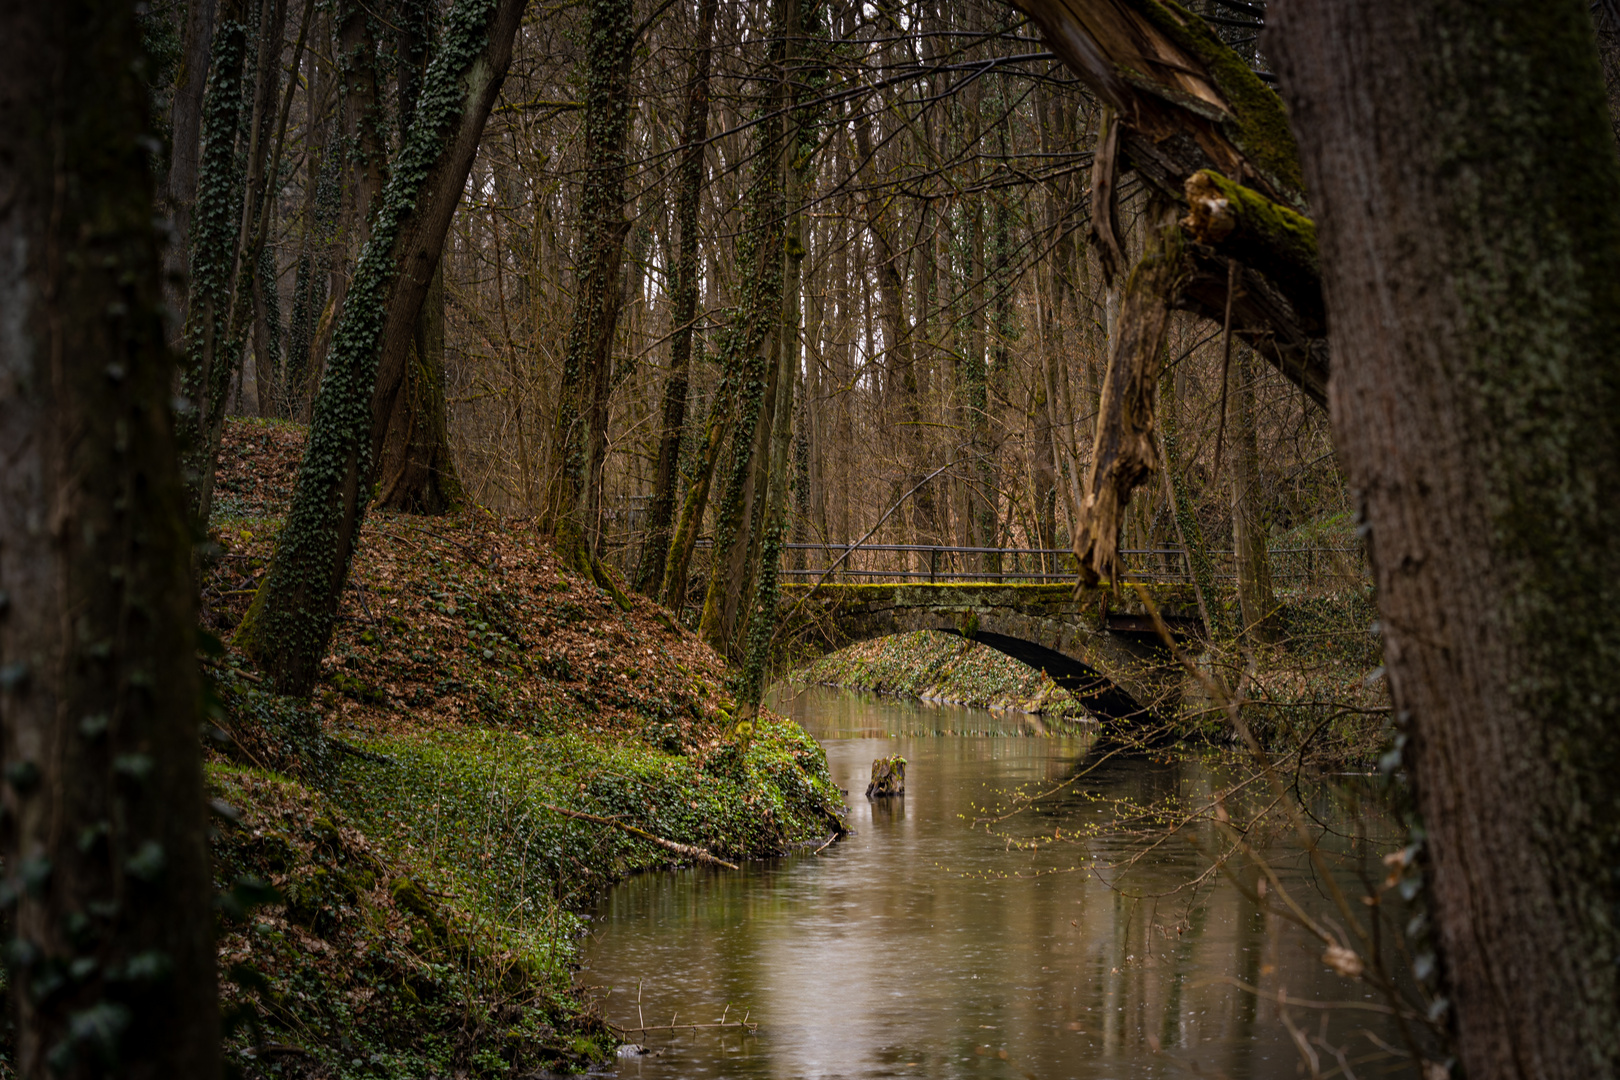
(751, 342)
(683, 308)
(103, 823)
(579, 434)
(1467, 193)
(185, 139)
(205, 370)
(289, 625)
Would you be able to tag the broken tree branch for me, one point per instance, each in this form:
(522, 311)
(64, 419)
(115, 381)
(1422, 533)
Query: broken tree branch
(700, 854)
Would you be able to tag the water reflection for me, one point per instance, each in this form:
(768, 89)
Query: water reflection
(922, 947)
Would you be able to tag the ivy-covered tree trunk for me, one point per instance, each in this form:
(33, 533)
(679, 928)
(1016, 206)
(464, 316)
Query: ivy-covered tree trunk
(205, 371)
(289, 625)
(102, 815)
(579, 432)
(683, 308)
(1467, 192)
(735, 408)
(757, 628)
(317, 240)
(749, 349)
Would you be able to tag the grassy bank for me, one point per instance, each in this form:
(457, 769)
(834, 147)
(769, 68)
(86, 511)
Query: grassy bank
(401, 892)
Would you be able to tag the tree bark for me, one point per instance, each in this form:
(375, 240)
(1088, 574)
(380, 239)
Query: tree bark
(747, 354)
(289, 625)
(1124, 455)
(104, 822)
(417, 473)
(579, 433)
(683, 308)
(1467, 194)
(1184, 102)
(1257, 602)
(185, 143)
(205, 370)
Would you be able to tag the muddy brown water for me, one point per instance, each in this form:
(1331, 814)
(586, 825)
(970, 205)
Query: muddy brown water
(923, 946)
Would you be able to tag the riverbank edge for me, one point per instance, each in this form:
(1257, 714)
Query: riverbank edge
(401, 895)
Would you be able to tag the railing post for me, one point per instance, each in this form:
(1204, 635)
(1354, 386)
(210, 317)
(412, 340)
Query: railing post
(933, 564)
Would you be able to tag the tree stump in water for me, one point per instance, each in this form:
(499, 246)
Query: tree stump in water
(888, 778)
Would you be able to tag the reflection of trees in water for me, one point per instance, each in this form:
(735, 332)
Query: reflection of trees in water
(1304, 863)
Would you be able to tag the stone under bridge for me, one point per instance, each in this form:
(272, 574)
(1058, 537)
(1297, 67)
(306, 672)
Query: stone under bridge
(1099, 645)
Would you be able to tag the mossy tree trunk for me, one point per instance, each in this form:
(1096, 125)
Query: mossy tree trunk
(1182, 101)
(683, 307)
(107, 877)
(748, 350)
(289, 625)
(205, 371)
(1467, 193)
(417, 473)
(579, 432)
(746, 374)
(757, 628)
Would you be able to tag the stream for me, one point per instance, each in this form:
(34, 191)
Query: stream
(922, 946)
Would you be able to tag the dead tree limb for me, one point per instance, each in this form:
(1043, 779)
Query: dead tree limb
(690, 852)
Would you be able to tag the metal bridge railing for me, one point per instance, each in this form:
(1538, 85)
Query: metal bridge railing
(1291, 567)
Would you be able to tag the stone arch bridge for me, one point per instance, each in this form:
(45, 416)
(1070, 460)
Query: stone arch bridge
(1099, 645)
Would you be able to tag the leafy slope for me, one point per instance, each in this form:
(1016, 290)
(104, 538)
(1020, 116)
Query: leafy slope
(424, 918)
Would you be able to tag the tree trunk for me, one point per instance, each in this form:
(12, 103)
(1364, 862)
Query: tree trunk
(205, 372)
(1123, 456)
(683, 308)
(185, 143)
(1467, 194)
(579, 432)
(1256, 600)
(289, 625)
(1199, 106)
(417, 473)
(746, 352)
(104, 820)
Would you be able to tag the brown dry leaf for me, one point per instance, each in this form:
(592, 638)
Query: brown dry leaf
(1345, 961)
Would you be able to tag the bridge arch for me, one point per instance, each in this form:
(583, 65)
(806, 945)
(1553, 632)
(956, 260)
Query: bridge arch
(1104, 652)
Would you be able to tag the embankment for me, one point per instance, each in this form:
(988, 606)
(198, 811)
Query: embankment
(400, 896)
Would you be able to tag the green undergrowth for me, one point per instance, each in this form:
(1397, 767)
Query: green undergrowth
(419, 902)
(425, 911)
(940, 667)
(361, 966)
(474, 806)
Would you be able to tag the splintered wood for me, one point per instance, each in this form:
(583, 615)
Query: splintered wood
(1124, 456)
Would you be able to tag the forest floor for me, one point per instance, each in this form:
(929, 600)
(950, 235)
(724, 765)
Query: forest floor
(399, 895)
